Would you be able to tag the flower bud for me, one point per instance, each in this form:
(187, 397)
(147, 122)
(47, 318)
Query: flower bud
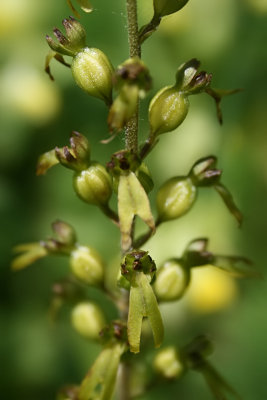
(168, 363)
(204, 173)
(115, 331)
(93, 185)
(137, 261)
(175, 197)
(132, 80)
(133, 72)
(93, 71)
(189, 80)
(122, 162)
(166, 7)
(87, 319)
(172, 280)
(91, 68)
(73, 42)
(167, 110)
(123, 107)
(65, 232)
(87, 265)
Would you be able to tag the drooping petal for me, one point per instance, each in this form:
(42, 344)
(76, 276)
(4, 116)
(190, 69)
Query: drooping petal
(132, 200)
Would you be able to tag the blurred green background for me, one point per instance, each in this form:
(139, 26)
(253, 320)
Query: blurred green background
(229, 37)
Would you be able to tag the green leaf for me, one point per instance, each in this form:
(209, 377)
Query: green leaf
(132, 201)
(100, 380)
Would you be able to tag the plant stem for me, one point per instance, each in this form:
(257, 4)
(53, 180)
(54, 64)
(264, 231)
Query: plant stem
(131, 131)
(131, 143)
(134, 46)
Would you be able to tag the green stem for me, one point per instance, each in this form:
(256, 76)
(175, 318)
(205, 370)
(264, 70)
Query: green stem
(110, 214)
(139, 242)
(131, 131)
(148, 29)
(131, 143)
(133, 39)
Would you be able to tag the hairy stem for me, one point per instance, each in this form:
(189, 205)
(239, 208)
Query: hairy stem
(131, 132)
(131, 143)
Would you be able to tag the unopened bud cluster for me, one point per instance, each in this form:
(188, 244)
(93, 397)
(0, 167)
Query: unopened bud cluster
(169, 107)
(91, 181)
(178, 194)
(90, 67)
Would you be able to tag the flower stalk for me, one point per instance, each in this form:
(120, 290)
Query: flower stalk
(131, 132)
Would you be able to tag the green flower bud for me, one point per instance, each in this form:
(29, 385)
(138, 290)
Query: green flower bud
(166, 7)
(74, 40)
(204, 173)
(122, 162)
(75, 157)
(170, 105)
(132, 80)
(175, 197)
(168, 363)
(172, 281)
(123, 107)
(189, 80)
(167, 110)
(115, 331)
(65, 232)
(87, 265)
(138, 261)
(135, 73)
(93, 185)
(91, 68)
(87, 319)
(93, 71)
